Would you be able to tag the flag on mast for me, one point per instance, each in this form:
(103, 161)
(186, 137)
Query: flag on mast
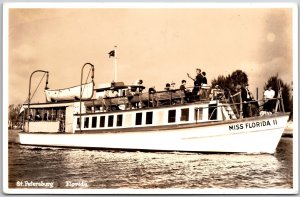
(111, 53)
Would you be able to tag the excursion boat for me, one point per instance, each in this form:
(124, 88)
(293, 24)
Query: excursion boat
(120, 116)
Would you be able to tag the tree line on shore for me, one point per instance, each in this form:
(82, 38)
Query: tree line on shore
(233, 82)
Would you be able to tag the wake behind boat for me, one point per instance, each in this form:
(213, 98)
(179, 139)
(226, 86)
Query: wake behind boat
(121, 116)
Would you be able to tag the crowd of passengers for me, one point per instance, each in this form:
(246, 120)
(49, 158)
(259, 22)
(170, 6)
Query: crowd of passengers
(201, 91)
(170, 96)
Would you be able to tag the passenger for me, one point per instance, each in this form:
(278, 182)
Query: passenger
(268, 98)
(61, 123)
(137, 102)
(106, 101)
(139, 89)
(197, 82)
(187, 93)
(182, 86)
(129, 97)
(172, 86)
(204, 80)
(250, 105)
(114, 93)
(46, 116)
(30, 117)
(246, 98)
(151, 92)
(168, 87)
(37, 116)
(204, 90)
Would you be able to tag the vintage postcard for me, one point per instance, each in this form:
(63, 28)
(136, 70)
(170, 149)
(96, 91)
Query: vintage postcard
(150, 98)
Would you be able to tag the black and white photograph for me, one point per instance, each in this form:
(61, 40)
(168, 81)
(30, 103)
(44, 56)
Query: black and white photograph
(150, 98)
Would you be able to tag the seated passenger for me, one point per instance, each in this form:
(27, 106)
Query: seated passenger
(172, 86)
(152, 90)
(106, 101)
(182, 86)
(168, 87)
(152, 97)
(37, 116)
(114, 93)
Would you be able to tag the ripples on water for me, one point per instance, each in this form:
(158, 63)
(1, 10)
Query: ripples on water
(119, 169)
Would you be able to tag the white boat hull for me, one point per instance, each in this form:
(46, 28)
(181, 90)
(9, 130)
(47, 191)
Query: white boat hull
(253, 135)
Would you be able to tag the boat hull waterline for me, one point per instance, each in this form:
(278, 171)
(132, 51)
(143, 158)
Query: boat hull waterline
(251, 135)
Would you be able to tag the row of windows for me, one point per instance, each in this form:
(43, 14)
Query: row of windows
(138, 118)
(110, 122)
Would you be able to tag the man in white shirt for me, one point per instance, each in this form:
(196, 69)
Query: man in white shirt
(269, 101)
(269, 93)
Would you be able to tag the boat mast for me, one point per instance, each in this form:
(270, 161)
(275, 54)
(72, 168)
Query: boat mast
(92, 76)
(29, 93)
(115, 62)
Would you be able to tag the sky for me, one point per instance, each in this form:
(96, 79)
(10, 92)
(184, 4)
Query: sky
(157, 45)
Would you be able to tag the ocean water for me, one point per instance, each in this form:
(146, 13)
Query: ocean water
(36, 167)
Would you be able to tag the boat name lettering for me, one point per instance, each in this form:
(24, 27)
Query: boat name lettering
(251, 125)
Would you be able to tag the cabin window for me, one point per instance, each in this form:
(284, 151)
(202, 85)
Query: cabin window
(138, 119)
(212, 112)
(198, 113)
(78, 123)
(149, 117)
(119, 120)
(172, 116)
(110, 121)
(86, 122)
(53, 114)
(46, 115)
(94, 122)
(184, 114)
(102, 121)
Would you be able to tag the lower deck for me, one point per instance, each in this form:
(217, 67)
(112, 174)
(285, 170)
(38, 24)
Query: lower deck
(69, 121)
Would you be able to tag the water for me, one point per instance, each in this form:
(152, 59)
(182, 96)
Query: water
(34, 167)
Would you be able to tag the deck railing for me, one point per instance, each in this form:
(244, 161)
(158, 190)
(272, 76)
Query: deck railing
(173, 98)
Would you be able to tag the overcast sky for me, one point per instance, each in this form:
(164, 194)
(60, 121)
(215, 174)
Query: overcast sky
(155, 45)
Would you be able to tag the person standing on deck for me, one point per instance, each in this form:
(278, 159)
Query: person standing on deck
(268, 98)
(203, 91)
(129, 97)
(245, 94)
(204, 80)
(197, 82)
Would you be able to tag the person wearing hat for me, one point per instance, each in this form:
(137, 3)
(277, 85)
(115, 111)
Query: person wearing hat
(168, 87)
(246, 98)
(172, 86)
